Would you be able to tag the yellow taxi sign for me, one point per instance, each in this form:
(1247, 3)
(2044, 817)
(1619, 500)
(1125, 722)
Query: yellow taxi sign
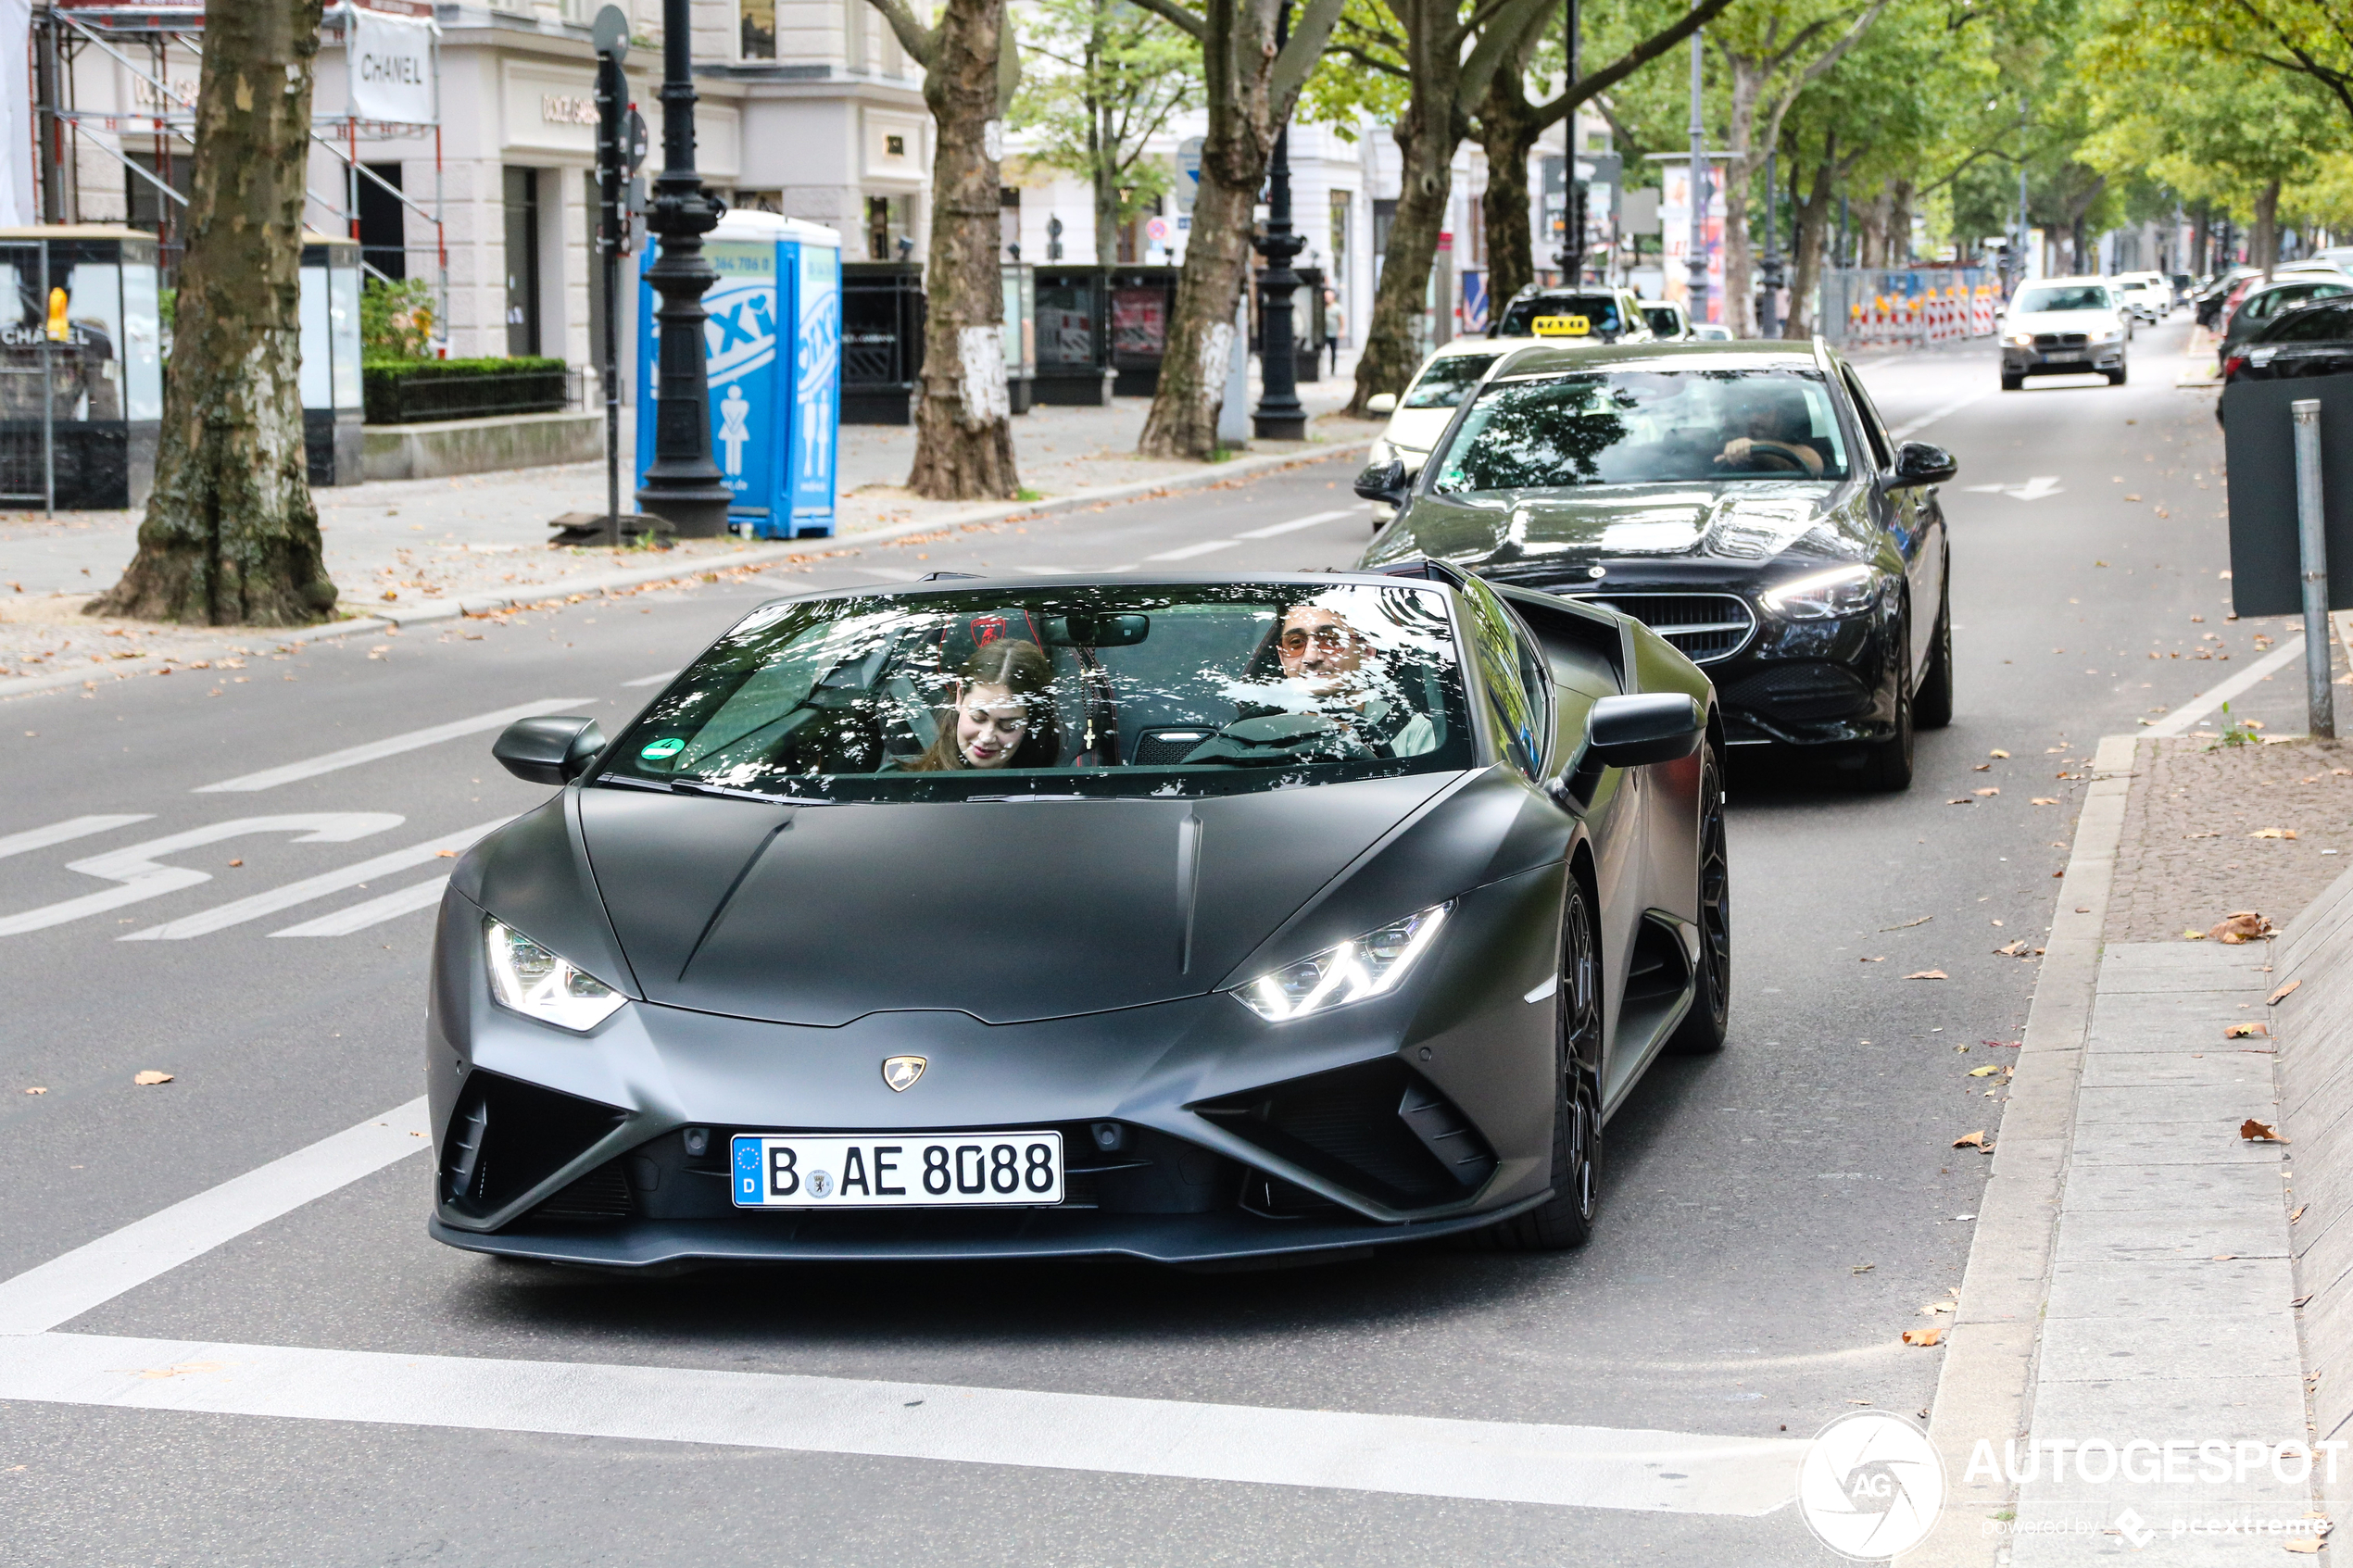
(1561, 326)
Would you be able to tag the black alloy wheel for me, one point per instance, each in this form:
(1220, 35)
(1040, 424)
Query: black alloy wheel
(1887, 765)
(1565, 1219)
(1704, 1028)
(1932, 708)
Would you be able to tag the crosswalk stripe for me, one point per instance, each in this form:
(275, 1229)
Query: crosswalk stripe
(239, 911)
(1295, 524)
(375, 912)
(391, 745)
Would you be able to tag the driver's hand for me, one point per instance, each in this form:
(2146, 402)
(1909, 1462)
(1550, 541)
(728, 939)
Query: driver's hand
(1735, 450)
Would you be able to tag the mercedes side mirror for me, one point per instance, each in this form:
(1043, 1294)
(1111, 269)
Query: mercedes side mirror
(1627, 732)
(1383, 482)
(1916, 462)
(1381, 403)
(551, 750)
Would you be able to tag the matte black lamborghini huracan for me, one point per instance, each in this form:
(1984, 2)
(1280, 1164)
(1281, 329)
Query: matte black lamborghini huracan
(1195, 920)
(1741, 498)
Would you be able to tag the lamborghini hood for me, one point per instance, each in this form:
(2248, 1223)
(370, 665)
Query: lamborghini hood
(1008, 910)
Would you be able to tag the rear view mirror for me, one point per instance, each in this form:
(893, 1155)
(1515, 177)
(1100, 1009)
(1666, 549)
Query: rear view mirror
(1383, 482)
(1097, 631)
(552, 750)
(1627, 732)
(1916, 462)
(1381, 403)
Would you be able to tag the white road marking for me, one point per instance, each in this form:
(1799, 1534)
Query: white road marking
(665, 676)
(1191, 550)
(2034, 489)
(1294, 525)
(2180, 719)
(1413, 1456)
(887, 574)
(239, 911)
(137, 868)
(391, 745)
(64, 832)
(63, 1289)
(1905, 431)
(375, 912)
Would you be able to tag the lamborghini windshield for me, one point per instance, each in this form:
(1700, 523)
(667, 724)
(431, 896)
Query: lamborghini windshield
(1645, 427)
(1098, 691)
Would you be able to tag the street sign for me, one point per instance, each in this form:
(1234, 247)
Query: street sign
(1187, 173)
(2258, 449)
(609, 34)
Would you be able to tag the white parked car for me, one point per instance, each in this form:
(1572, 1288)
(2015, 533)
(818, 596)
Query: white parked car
(2064, 327)
(2145, 294)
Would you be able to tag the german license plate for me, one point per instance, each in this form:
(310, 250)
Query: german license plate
(897, 1171)
(2063, 353)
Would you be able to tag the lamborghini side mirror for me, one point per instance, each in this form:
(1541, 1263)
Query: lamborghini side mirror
(548, 750)
(1627, 732)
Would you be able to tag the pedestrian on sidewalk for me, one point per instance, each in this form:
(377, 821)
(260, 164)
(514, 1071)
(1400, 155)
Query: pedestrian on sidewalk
(1335, 322)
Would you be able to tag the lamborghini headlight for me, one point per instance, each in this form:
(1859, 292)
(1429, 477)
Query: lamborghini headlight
(541, 984)
(1842, 590)
(1350, 972)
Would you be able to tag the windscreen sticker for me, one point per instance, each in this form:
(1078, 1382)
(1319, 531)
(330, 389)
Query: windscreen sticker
(663, 750)
(1561, 326)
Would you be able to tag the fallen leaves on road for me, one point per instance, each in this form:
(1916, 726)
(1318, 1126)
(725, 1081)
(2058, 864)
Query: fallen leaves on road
(2225, 1256)
(1928, 974)
(1908, 924)
(1974, 1140)
(2303, 1546)
(2006, 1045)
(149, 1078)
(36, 1091)
(2244, 1031)
(2300, 1212)
(1862, 1268)
(2276, 997)
(2017, 950)
(2046, 801)
(2240, 926)
(1960, 800)
(444, 854)
(1935, 1307)
(1881, 959)
(179, 1370)
(1988, 790)
(1985, 1072)
(2260, 1132)
(1922, 1338)
(2272, 832)
(1998, 751)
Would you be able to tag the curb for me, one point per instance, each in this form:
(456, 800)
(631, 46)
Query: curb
(1985, 1388)
(427, 611)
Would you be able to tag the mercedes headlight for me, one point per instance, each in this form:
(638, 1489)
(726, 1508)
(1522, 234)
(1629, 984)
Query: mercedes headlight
(1842, 590)
(1349, 972)
(545, 986)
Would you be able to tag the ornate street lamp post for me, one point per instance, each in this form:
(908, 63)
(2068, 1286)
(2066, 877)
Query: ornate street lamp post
(1769, 315)
(682, 484)
(1572, 251)
(1281, 416)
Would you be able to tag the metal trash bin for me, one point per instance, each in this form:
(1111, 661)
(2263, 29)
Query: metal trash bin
(1074, 337)
(882, 342)
(1142, 304)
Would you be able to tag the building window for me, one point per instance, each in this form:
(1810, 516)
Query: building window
(383, 222)
(758, 18)
(523, 261)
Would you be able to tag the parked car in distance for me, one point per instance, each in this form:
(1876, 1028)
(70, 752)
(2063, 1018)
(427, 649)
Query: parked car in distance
(1669, 324)
(1710, 332)
(2264, 303)
(2313, 337)
(2217, 290)
(2063, 327)
(2144, 294)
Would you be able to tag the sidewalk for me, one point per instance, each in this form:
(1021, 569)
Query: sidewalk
(2132, 1283)
(426, 549)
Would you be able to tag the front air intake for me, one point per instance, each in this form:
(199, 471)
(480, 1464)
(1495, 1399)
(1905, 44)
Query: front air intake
(507, 1136)
(1378, 1128)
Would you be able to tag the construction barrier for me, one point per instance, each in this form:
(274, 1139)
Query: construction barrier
(1914, 305)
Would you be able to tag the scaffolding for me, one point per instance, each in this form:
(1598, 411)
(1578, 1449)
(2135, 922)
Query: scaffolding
(64, 31)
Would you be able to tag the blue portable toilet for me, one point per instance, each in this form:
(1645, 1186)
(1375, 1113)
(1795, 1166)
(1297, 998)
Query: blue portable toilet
(773, 348)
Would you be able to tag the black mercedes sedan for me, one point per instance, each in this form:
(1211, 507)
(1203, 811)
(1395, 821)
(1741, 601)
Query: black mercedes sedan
(1202, 920)
(1743, 499)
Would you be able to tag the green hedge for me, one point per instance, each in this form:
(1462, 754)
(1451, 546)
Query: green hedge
(413, 391)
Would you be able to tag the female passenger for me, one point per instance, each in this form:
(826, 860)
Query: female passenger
(1003, 715)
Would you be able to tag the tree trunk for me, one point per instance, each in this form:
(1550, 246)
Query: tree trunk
(1899, 223)
(1427, 136)
(963, 422)
(230, 535)
(1508, 131)
(1183, 422)
(1740, 265)
(2263, 249)
(1812, 223)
